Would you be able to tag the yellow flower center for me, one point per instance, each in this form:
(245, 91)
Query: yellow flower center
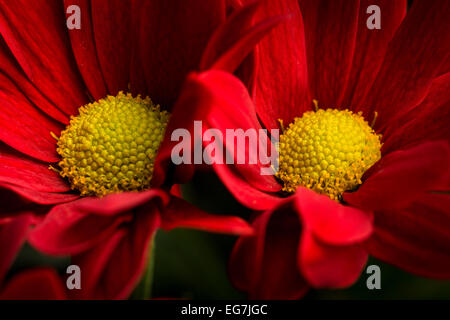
(111, 145)
(327, 151)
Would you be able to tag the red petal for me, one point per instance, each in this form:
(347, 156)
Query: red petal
(44, 198)
(231, 59)
(171, 39)
(235, 39)
(195, 98)
(244, 192)
(114, 268)
(202, 92)
(228, 33)
(176, 191)
(233, 108)
(35, 284)
(371, 46)
(13, 71)
(416, 239)
(181, 214)
(401, 176)
(84, 49)
(111, 23)
(330, 33)
(413, 59)
(265, 265)
(330, 221)
(427, 121)
(138, 83)
(66, 230)
(23, 127)
(245, 261)
(119, 202)
(326, 266)
(19, 170)
(36, 34)
(12, 236)
(282, 88)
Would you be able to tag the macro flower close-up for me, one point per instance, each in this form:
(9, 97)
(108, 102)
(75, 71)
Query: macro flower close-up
(363, 146)
(80, 131)
(224, 150)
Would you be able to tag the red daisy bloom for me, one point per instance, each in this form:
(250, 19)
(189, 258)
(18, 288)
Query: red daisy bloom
(393, 200)
(49, 76)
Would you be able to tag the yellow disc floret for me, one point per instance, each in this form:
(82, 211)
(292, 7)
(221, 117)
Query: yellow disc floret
(111, 145)
(327, 151)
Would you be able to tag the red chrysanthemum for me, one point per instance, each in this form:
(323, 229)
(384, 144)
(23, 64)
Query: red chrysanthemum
(399, 210)
(48, 72)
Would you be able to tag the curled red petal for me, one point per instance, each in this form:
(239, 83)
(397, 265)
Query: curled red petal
(113, 268)
(244, 192)
(202, 92)
(234, 109)
(179, 213)
(66, 230)
(326, 266)
(330, 221)
(35, 284)
(265, 265)
(196, 98)
(119, 202)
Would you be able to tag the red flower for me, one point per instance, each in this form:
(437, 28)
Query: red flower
(47, 73)
(400, 212)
